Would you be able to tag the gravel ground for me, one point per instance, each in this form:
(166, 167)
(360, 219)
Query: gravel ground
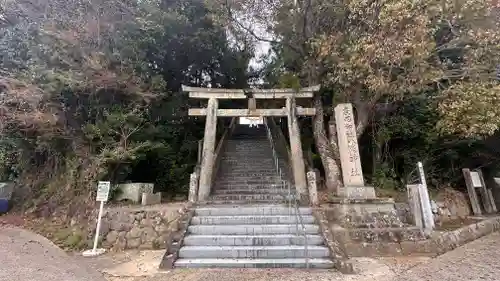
(25, 256)
(478, 260)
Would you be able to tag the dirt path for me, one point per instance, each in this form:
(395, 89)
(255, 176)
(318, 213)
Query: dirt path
(478, 260)
(26, 256)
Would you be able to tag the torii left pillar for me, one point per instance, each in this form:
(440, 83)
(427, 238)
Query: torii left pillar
(208, 156)
(298, 166)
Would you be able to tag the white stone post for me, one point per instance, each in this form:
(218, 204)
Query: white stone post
(208, 156)
(193, 187)
(313, 188)
(425, 201)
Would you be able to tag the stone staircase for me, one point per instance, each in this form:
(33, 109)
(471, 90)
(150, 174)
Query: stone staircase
(247, 222)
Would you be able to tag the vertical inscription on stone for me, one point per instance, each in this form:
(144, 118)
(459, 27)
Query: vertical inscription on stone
(348, 146)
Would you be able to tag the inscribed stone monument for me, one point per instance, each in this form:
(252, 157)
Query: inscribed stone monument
(350, 161)
(348, 145)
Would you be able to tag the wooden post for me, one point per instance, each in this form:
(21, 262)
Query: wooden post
(296, 150)
(207, 161)
(488, 200)
(476, 208)
(415, 205)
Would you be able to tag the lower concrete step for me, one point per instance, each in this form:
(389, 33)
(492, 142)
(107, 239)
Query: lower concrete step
(251, 210)
(254, 263)
(252, 240)
(251, 229)
(239, 220)
(254, 252)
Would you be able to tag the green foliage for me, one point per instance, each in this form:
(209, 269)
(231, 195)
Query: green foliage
(91, 91)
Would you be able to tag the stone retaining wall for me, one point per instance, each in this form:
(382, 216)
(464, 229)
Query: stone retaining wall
(151, 227)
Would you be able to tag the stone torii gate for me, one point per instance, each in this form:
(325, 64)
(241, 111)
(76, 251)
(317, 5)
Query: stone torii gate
(212, 112)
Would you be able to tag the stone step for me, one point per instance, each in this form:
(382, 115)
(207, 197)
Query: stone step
(263, 167)
(256, 210)
(254, 252)
(248, 141)
(243, 163)
(246, 179)
(266, 153)
(251, 184)
(254, 147)
(272, 175)
(251, 240)
(249, 158)
(224, 203)
(257, 148)
(246, 173)
(222, 191)
(386, 234)
(255, 187)
(248, 161)
(240, 220)
(256, 196)
(254, 263)
(251, 229)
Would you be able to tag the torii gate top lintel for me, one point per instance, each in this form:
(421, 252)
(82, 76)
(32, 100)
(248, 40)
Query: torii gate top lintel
(215, 94)
(219, 93)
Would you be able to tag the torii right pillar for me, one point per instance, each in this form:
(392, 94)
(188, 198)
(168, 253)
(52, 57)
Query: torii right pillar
(298, 166)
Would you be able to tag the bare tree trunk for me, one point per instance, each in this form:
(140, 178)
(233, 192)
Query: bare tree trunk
(326, 152)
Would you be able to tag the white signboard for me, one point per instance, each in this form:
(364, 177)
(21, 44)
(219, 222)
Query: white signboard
(476, 180)
(103, 191)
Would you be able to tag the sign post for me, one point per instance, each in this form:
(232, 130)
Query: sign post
(102, 196)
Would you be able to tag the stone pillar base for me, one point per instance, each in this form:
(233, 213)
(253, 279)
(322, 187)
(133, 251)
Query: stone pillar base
(357, 192)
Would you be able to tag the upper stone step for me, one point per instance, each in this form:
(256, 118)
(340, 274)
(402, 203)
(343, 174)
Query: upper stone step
(239, 220)
(256, 172)
(213, 202)
(254, 197)
(251, 229)
(252, 240)
(254, 263)
(256, 210)
(247, 179)
(268, 252)
(255, 186)
(229, 190)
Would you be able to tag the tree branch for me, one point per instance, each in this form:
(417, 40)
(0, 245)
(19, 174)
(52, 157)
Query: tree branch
(259, 38)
